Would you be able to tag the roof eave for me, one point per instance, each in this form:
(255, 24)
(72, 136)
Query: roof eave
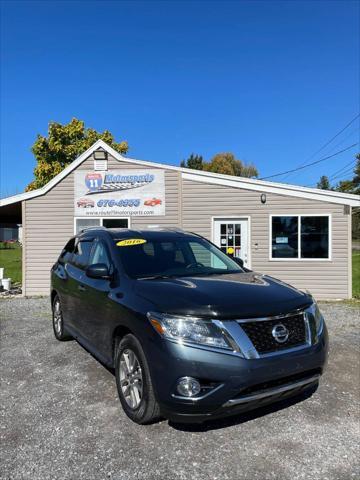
(200, 176)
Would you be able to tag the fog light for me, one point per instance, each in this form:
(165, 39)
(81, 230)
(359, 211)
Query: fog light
(188, 387)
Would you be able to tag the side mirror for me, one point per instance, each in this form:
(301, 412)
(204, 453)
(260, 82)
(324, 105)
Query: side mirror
(239, 261)
(98, 270)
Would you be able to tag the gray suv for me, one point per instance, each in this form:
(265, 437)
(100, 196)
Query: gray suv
(190, 333)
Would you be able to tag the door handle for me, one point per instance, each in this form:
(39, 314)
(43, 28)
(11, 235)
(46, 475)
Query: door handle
(81, 288)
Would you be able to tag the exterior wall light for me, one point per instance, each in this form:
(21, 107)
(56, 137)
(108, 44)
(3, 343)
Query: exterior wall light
(263, 198)
(100, 155)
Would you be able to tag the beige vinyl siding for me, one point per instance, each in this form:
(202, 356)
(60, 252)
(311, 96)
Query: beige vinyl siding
(325, 279)
(50, 223)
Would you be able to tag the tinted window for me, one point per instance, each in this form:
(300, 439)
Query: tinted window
(314, 237)
(82, 253)
(180, 257)
(100, 255)
(285, 237)
(67, 252)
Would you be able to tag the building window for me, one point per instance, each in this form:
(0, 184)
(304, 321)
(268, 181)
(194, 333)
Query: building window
(285, 233)
(300, 237)
(83, 223)
(314, 237)
(115, 222)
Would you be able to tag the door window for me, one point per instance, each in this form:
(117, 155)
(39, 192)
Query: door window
(67, 252)
(231, 236)
(81, 254)
(100, 255)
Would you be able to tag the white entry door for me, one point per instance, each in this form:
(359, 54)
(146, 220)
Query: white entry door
(232, 236)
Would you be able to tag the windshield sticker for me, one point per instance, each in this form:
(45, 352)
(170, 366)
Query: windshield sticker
(130, 242)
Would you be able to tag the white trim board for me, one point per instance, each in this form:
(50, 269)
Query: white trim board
(197, 176)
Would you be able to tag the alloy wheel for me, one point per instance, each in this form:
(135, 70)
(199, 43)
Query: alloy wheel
(57, 318)
(131, 379)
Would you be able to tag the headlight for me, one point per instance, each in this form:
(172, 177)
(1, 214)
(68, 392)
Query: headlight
(315, 317)
(190, 330)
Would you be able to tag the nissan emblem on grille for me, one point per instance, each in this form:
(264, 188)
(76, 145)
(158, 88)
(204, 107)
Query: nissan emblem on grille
(280, 333)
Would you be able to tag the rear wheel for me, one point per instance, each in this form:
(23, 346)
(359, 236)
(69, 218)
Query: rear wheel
(58, 321)
(133, 382)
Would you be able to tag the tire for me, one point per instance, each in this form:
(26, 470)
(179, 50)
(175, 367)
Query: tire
(133, 375)
(58, 321)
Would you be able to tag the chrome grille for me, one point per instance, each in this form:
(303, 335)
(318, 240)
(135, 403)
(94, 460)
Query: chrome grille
(261, 336)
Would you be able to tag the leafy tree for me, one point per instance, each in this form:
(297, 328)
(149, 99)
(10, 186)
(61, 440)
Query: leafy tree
(352, 186)
(224, 163)
(194, 161)
(227, 164)
(324, 183)
(63, 144)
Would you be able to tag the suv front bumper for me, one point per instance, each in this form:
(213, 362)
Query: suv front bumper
(238, 384)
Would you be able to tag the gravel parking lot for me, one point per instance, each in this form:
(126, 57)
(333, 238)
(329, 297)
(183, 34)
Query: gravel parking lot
(62, 419)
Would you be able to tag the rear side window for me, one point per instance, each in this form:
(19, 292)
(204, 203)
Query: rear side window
(81, 254)
(67, 252)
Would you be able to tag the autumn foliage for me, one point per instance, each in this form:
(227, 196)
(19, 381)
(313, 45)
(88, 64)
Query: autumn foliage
(62, 145)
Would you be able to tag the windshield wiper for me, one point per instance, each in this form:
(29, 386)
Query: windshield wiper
(155, 277)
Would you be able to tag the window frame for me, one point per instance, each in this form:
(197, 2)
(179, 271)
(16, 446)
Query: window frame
(101, 220)
(298, 258)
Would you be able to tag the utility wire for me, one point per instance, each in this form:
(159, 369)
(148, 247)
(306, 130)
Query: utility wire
(312, 163)
(353, 162)
(335, 136)
(331, 150)
(342, 174)
(346, 169)
(329, 141)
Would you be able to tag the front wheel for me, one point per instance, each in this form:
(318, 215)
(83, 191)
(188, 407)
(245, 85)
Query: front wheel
(58, 321)
(133, 382)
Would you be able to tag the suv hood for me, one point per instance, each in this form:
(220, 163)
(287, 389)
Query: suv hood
(238, 295)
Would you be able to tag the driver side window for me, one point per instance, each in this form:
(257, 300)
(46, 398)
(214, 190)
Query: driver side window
(100, 255)
(205, 257)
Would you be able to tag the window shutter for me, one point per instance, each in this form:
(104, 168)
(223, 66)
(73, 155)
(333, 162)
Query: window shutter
(100, 165)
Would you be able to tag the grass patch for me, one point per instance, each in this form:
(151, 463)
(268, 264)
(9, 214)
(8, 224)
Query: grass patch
(10, 260)
(356, 274)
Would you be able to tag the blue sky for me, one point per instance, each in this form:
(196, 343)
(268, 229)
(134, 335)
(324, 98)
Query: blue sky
(268, 81)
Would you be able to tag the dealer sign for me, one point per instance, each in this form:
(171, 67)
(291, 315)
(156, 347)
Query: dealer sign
(119, 193)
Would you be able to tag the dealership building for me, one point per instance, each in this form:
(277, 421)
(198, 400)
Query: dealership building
(299, 235)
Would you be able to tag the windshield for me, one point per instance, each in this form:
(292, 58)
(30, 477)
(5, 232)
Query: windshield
(179, 257)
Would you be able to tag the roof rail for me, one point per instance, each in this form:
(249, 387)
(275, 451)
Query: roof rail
(100, 227)
(171, 229)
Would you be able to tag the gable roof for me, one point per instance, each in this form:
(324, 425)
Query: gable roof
(198, 176)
